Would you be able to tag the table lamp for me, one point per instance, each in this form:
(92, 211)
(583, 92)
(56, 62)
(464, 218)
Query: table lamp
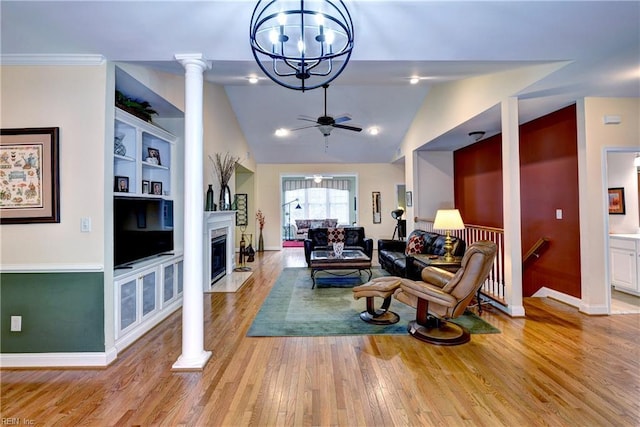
(448, 219)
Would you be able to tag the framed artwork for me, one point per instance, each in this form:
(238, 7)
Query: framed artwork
(145, 186)
(30, 184)
(616, 201)
(156, 188)
(409, 199)
(154, 153)
(121, 184)
(241, 210)
(375, 200)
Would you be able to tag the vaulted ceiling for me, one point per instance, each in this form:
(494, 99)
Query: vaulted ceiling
(439, 41)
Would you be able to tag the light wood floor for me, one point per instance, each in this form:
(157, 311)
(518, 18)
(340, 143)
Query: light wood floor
(555, 367)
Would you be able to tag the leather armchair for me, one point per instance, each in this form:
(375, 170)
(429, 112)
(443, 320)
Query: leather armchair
(442, 295)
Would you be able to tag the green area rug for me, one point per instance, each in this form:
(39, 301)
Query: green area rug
(292, 308)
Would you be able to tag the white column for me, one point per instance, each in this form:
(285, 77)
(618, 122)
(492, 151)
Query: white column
(193, 356)
(511, 206)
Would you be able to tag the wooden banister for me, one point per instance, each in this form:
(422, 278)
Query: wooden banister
(536, 250)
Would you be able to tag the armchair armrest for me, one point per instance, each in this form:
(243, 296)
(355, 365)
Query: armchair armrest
(427, 292)
(367, 243)
(308, 247)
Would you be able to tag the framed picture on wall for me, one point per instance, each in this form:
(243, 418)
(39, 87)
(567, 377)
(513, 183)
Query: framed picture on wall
(616, 201)
(375, 201)
(409, 199)
(30, 188)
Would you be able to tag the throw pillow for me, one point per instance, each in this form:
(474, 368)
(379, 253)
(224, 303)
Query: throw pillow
(335, 235)
(415, 245)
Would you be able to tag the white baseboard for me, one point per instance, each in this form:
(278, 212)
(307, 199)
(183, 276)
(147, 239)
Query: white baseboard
(57, 360)
(545, 292)
(593, 310)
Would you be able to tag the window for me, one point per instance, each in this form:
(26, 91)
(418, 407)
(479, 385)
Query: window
(319, 203)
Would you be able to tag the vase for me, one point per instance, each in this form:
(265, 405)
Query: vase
(209, 205)
(225, 198)
(260, 243)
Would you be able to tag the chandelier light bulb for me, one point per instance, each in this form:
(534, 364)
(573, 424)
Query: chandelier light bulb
(329, 36)
(301, 46)
(282, 19)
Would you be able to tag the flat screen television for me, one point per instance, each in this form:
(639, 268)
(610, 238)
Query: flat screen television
(143, 228)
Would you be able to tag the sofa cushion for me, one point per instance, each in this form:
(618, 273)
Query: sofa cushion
(335, 235)
(415, 245)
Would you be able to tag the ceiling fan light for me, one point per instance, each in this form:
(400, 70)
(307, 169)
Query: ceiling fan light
(374, 130)
(281, 132)
(414, 80)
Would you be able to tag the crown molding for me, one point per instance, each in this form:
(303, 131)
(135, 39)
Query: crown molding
(52, 59)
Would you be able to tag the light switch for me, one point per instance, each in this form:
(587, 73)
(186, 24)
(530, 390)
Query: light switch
(85, 224)
(16, 323)
(558, 213)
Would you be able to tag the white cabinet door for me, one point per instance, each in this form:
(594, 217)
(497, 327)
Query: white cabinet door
(624, 268)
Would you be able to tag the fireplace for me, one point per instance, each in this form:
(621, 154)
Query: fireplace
(219, 247)
(218, 255)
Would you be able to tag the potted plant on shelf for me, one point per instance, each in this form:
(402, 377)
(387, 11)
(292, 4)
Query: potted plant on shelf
(140, 109)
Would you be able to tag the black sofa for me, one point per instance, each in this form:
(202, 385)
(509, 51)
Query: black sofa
(354, 238)
(393, 258)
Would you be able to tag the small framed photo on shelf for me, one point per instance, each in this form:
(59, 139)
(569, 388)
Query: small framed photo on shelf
(154, 156)
(121, 184)
(616, 201)
(146, 185)
(156, 188)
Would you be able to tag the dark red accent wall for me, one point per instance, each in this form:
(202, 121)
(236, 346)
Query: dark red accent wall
(548, 181)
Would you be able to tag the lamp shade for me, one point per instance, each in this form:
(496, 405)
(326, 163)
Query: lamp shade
(448, 219)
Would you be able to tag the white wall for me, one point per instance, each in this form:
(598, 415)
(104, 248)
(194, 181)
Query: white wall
(435, 178)
(621, 172)
(73, 99)
(371, 177)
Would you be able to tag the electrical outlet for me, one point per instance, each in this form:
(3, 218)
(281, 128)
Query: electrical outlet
(16, 323)
(558, 213)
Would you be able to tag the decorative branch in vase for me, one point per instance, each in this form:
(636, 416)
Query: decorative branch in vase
(224, 166)
(260, 219)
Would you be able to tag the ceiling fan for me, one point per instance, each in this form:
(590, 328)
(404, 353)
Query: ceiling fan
(326, 123)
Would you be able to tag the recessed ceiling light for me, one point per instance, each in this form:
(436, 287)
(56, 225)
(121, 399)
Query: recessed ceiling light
(414, 80)
(253, 79)
(281, 132)
(373, 130)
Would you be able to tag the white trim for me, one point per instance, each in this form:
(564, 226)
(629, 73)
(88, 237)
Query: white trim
(545, 292)
(51, 59)
(52, 360)
(594, 310)
(51, 268)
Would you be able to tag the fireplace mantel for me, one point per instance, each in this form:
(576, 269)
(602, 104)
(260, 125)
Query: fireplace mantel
(217, 220)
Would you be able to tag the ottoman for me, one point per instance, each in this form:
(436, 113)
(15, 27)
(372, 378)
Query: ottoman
(381, 287)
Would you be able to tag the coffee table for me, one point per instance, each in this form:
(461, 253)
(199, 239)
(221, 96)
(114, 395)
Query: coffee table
(354, 261)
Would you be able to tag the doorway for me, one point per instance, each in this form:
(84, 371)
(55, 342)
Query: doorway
(623, 230)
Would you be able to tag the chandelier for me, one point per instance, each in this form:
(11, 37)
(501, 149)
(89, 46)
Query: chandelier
(299, 44)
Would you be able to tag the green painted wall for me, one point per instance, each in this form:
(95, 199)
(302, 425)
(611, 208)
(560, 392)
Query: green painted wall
(61, 312)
